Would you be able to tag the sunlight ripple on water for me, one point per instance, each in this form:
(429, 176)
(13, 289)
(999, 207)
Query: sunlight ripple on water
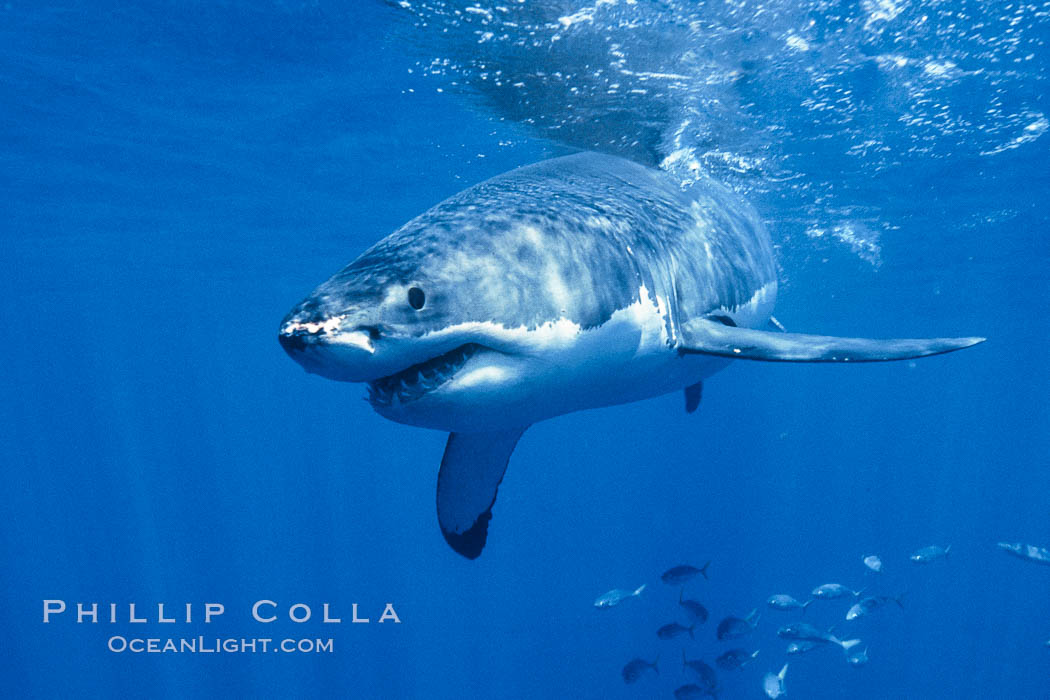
(801, 105)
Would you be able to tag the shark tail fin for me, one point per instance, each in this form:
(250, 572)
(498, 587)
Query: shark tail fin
(783, 672)
(752, 617)
(691, 628)
(899, 600)
(806, 605)
(681, 592)
(657, 660)
(638, 591)
(946, 550)
(703, 569)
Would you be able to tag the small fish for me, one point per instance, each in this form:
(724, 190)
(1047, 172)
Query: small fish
(636, 667)
(805, 632)
(773, 683)
(674, 630)
(1029, 552)
(802, 632)
(735, 659)
(873, 562)
(680, 574)
(858, 659)
(782, 601)
(735, 627)
(706, 677)
(866, 605)
(617, 596)
(801, 647)
(698, 611)
(690, 691)
(931, 553)
(830, 591)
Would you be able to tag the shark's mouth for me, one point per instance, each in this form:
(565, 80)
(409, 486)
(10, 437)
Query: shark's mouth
(418, 380)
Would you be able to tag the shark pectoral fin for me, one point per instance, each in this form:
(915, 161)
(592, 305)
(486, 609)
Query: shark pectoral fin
(470, 475)
(701, 336)
(692, 396)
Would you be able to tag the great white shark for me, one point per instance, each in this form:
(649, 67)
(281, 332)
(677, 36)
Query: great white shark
(573, 283)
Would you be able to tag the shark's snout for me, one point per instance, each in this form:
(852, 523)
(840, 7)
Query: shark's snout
(333, 347)
(294, 342)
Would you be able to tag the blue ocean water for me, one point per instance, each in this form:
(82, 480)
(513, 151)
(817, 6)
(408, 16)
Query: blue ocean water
(177, 175)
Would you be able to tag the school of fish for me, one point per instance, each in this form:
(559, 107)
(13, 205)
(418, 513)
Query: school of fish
(728, 649)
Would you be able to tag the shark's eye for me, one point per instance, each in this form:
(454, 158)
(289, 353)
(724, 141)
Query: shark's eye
(416, 298)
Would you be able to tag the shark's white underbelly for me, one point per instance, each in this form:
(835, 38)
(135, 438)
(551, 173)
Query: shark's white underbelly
(560, 368)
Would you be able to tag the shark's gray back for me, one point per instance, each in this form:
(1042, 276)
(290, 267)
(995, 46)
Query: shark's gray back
(577, 237)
